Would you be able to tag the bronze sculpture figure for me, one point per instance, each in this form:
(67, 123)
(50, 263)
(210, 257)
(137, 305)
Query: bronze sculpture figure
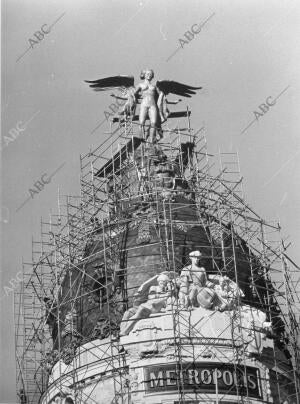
(152, 97)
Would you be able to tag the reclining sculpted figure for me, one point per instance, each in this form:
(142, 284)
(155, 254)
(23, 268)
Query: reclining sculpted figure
(153, 296)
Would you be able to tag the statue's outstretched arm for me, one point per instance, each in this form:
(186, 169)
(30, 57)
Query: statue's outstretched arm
(146, 285)
(117, 97)
(173, 102)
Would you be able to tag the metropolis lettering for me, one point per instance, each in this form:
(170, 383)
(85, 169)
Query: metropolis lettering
(228, 378)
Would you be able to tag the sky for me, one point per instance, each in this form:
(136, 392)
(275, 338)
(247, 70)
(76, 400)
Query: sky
(245, 56)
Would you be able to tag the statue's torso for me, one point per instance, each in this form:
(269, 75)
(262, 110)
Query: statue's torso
(148, 94)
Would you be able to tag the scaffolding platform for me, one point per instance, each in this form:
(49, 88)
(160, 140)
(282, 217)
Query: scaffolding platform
(112, 309)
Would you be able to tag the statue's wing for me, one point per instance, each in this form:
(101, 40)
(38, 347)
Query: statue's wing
(111, 82)
(183, 90)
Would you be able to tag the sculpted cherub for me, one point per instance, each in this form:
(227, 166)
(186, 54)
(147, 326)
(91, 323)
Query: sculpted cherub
(152, 96)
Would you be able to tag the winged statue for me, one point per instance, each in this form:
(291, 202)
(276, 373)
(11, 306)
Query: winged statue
(152, 97)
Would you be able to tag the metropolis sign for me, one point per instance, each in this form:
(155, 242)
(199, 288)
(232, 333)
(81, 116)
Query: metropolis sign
(205, 377)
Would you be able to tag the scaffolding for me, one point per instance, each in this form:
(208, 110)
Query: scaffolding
(84, 272)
